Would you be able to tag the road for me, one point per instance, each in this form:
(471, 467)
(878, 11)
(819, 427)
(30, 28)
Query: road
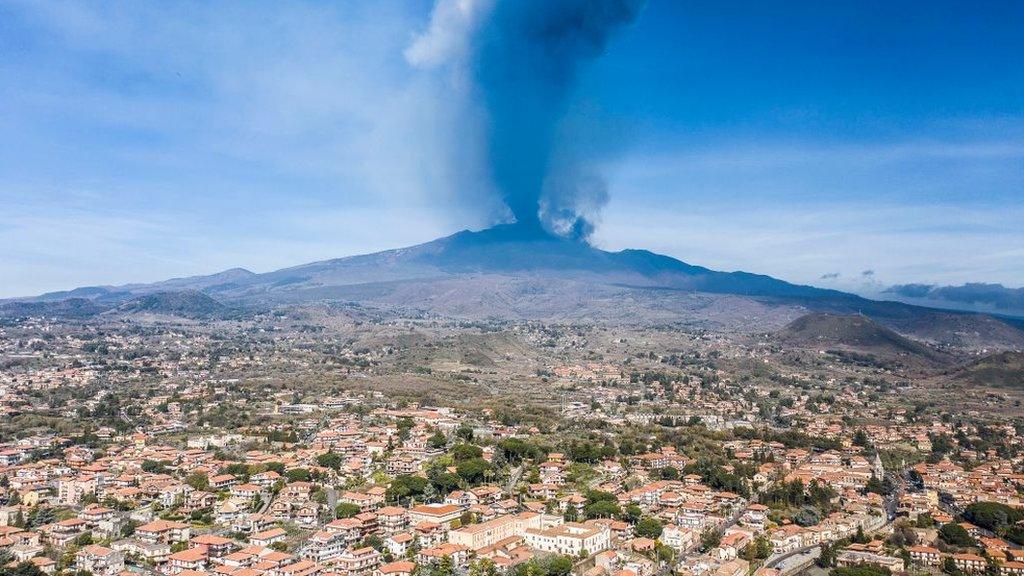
(792, 561)
(513, 479)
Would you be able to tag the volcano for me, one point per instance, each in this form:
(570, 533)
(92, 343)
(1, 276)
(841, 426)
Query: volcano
(522, 272)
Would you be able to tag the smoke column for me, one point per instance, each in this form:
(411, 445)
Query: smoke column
(518, 62)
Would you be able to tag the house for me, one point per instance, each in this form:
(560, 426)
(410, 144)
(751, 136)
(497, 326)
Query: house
(99, 560)
(44, 564)
(399, 544)
(459, 555)
(400, 568)
(245, 492)
(163, 531)
(359, 561)
(265, 479)
(268, 537)
(737, 567)
(64, 531)
(324, 547)
(925, 555)
(191, 559)
(786, 539)
(678, 538)
(228, 511)
(969, 562)
(297, 491)
(855, 558)
(365, 502)
(392, 519)
(484, 534)
(300, 568)
(1012, 568)
(216, 546)
(437, 513)
(756, 514)
(70, 491)
(570, 538)
(222, 481)
(93, 515)
(200, 500)
(155, 552)
(308, 514)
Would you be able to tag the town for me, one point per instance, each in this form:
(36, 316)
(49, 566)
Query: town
(319, 443)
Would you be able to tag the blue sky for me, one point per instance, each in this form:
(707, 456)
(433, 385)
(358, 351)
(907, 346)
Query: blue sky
(842, 144)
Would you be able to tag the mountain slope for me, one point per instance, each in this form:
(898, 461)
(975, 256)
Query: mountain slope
(516, 272)
(183, 303)
(859, 334)
(1001, 370)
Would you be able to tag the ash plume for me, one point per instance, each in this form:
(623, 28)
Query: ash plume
(516, 63)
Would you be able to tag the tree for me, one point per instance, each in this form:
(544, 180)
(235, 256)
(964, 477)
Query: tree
(473, 470)
(275, 466)
(669, 473)
(949, 567)
(992, 516)
(955, 535)
(462, 452)
(198, 481)
(465, 431)
(298, 475)
(710, 539)
(903, 535)
(346, 510)
(154, 467)
(443, 567)
(483, 567)
(373, 541)
(179, 547)
(860, 438)
(602, 509)
(807, 516)
(330, 460)
(404, 487)
(666, 554)
(827, 557)
(557, 565)
(762, 547)
(881, 487)
(404, 425)
(438, 440)
(601, 504)
(632, 513)
(648, 528)
(571, 514)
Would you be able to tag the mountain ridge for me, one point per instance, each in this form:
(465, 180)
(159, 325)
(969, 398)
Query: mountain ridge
(523, 273)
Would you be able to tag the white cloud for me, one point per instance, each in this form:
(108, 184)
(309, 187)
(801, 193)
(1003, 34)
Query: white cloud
(446, 40)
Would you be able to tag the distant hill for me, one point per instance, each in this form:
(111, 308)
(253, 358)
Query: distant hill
(841, 334)
(183, 303)
(516, 272)
(71, 308)
(1000, 370)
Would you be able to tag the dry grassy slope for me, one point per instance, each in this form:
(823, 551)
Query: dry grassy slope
(862, 335)
(1001, 370)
